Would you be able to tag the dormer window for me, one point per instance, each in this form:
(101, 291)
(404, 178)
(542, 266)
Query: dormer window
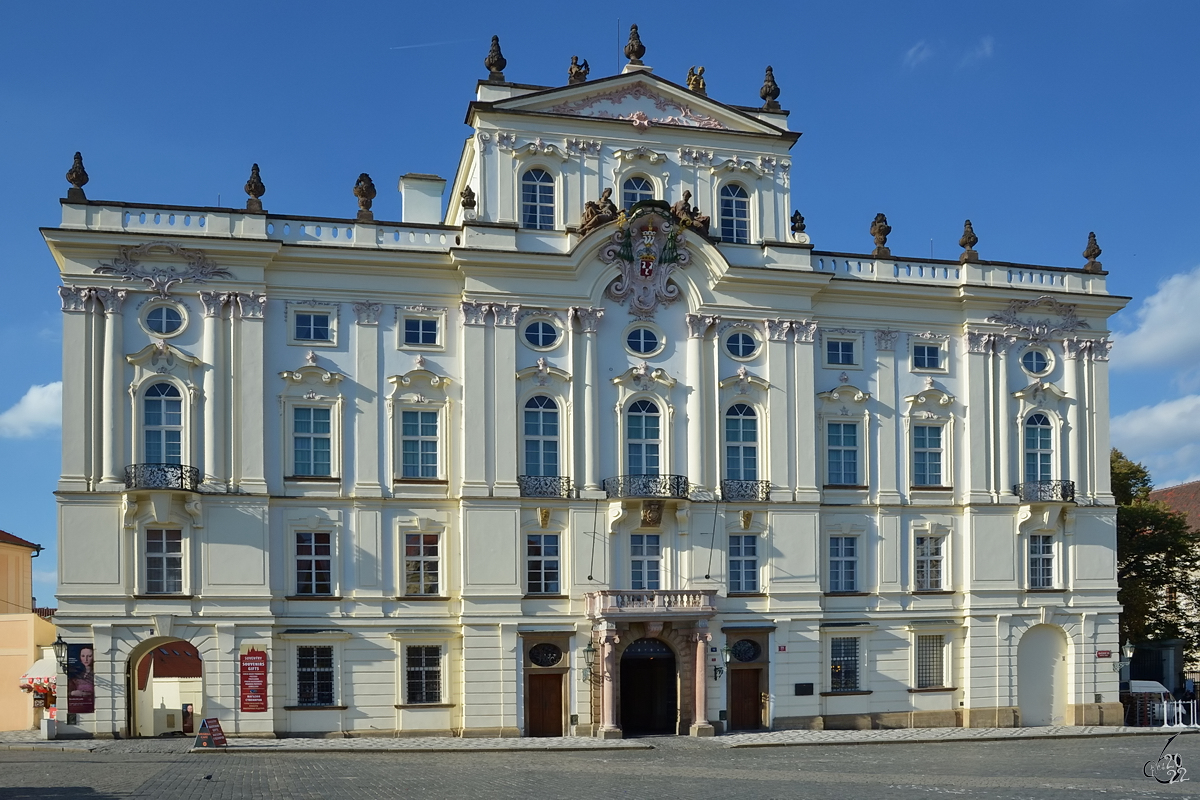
(537, 200)
(735, 214)
(635, 190)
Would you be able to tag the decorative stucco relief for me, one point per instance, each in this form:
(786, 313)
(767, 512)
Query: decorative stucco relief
(160, 278)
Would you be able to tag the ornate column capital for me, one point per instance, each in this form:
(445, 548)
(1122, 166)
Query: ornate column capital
(251, 306)
(473, 313)
(213, 302)
(367, 312)
(505, 314)
(74, 298)
(698, 324)
(805, 330)
(113, 299)
(589, 318)
(886, 339)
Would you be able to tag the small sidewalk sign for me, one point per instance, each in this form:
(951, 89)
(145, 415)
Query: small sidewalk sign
(210, 734)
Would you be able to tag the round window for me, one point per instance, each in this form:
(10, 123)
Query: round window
(741, 345)
(746, 650)
(642, 340)
(545, 654)
(1035, 362)
(164, 319)
(541, 333)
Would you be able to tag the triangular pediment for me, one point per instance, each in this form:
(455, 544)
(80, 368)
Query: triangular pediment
(641, 99)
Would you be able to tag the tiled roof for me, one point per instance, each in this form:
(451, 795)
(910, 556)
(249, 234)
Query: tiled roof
(1184, 498)
(8, 538)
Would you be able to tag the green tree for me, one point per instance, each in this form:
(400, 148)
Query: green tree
(1158, 557)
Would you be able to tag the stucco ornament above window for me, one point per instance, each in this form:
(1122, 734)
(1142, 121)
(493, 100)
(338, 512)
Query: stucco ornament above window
(161, 277)
(1039, 330)
(638, 105)
(647, 248)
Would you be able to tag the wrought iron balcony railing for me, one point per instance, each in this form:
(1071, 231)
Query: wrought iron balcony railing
(162, 476)
(672, 486)
(544, 486)
(745, 491)
(1046, 491)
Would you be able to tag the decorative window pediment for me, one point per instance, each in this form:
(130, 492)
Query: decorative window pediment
(641, 378)
(846, 393)
(738, 164)
(540, 148)
(930, 402)
(160, 358)
(635, 153)
(542, 374)
(744, 383)
(409, 386)
(1039, 395)
(312, 376)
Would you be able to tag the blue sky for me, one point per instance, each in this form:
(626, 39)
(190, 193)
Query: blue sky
(1038, 121)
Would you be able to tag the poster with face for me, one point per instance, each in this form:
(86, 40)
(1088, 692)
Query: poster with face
(81, 679)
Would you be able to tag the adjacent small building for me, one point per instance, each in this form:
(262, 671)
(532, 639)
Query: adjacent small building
(23, 633)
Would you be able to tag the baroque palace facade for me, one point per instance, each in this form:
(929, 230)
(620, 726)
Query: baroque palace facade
(605, 448)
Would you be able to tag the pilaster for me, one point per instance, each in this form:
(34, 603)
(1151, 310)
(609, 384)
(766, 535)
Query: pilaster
(807, 437)
(113, 401)
(77, 419)
(247, 394)
(213, 433)
(365, 430)
(504, 423)
(475, 391)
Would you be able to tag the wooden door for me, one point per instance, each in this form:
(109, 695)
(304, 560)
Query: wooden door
(745, 702)
(545, 714)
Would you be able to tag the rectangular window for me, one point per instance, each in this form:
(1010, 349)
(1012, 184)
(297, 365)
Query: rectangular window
(931, 661)
(164, 562)
(314, 557)
(419, 331)
(843, 563)
(311, 442)
(1041, 562)
(314, 676)
(312, 327)
(419, 444)
(927, 455)
(743, 564)
(645, 551)
(423, 673)
(541, 550)
(843, 453)
(839, 352)
(843, 664)
(927, 566)
(927, 356)
(421, 563)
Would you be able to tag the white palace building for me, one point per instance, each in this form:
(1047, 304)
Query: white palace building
(604, 448)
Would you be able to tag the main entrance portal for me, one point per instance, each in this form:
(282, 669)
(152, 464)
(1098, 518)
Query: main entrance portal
(649, 690)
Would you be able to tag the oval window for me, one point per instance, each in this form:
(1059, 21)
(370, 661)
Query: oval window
(164, 319)
(642, 340)
(541, 333)
(746, 650)
(545, 654)
(741, 345)
(1035, 361)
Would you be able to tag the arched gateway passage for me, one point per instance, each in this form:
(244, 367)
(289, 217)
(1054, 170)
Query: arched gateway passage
(165, 682)
(1042, 676)
(649, 688)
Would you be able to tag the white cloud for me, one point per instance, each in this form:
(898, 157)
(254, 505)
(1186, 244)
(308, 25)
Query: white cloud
(1162, 337)
(1165, 437)
(39, 411)
(982, 52)
(916, 54)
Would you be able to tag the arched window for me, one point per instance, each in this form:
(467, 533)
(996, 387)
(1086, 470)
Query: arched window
(741, 443)
(1038, 449)
(537, 200)
(635, 190)
(735, 214)
(541, 437)
(162, 424)
(643, 438)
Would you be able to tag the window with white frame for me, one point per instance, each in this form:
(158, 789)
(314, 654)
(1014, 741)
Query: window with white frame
(928, 357)
(541, 437)
(643, 438)
(843, 664)
(312, 326)
(312, 437)
(162, 424)
(1041, 561)
(542, 564)
(843, 563)
(164, 319)
(735, 214)
(927, 455)
(931, 661)
(1039, 451)
(928, 555)
(418, 445)
(635, 190)
(314, 676)
(840, 352)
(741, 443)
(423, 673)
(842, 453)
(422, 564)
(314, 563)
(421, 331)
(645, 553)
(541, 334)
(537, 200)
(743, 563)
(312, 323)
(164, 561)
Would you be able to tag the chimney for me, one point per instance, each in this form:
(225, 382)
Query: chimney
(422, 198)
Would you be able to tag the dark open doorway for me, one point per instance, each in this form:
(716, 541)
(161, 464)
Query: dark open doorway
(649, 693)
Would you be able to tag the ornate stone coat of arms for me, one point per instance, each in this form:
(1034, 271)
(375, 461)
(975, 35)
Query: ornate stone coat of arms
(647, 248)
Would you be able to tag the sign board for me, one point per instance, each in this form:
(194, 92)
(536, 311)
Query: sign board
(210, 734)
(254, 680)
(1104, 654)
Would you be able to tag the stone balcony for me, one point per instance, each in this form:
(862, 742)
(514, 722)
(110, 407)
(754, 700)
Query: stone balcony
(658, 604)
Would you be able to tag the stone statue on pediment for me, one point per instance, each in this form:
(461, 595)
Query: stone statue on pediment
(695, 80)
(597, 213)
(578, 73)
(690, 215)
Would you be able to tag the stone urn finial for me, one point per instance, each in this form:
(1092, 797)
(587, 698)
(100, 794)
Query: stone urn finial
(256, 189)
(769, 92)
(578, 73)
(77, 176)
(880, 230)
(797, 222)
(967, 243)
(635, 49)
(495, 61)
(467, 195)
(1091, 253)
(364, 190)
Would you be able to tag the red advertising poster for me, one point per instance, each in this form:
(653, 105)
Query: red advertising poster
(254, 680)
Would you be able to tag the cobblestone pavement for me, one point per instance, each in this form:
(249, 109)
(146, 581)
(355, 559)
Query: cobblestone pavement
(1017, 769)
(781, 738)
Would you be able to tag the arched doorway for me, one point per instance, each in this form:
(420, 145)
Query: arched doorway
(1042, 676)
(649, 690)
(165, 687)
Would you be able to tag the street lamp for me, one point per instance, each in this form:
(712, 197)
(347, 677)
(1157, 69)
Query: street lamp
(1126, 657)
(719, 669)
(589, 660)
(60, 652)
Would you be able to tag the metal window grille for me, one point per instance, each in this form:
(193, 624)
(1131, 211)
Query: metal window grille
(843, 664)
(421, 563)
(927, 565)
(419, 444)
(930, 661)
(1041, 562)
(164, 562)
(743, 563)
(843, 453)
(645, 551)
(843, 564)
(541, 550)
(311, 441)
(314, 676)
(423, 673)
(927, 455)
(313, 558)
